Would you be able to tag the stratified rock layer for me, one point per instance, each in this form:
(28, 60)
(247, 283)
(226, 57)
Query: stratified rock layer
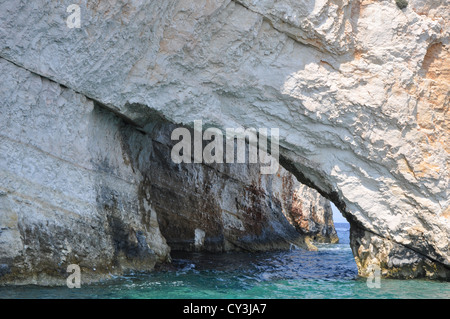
(359, 90)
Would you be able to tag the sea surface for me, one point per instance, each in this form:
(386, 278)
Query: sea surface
(329, 272)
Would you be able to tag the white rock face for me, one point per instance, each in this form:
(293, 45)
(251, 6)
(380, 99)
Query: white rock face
(69, 192)
(359, 89)
(199, 238)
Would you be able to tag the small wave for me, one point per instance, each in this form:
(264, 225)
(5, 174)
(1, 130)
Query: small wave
(339, 247)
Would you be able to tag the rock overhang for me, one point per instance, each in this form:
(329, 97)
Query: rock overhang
(349, 95)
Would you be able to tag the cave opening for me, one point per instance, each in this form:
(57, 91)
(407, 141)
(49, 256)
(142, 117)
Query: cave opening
(206, 210)
(229, 216)
(245, 271)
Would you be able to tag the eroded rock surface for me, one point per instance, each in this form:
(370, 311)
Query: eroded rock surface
(222, 207)
(70, 193)
(310, 213)
(79, 185)
(359, 90)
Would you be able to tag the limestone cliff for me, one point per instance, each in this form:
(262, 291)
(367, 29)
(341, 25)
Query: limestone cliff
(70, 191)
(359, 90)
(79, 185)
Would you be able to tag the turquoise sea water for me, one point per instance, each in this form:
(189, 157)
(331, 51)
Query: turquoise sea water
(329, 272)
